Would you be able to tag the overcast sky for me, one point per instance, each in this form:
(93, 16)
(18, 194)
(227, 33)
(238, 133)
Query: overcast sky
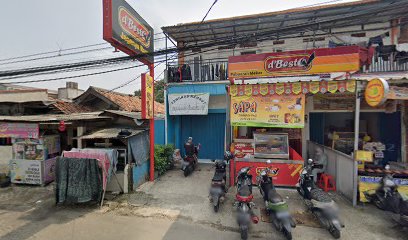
(30, 27)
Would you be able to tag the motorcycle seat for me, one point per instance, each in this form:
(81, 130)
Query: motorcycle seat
(320, 195)
(244, 191)
(218, 176)
(274, 197)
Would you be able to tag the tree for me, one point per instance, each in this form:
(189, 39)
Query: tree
(158, 91)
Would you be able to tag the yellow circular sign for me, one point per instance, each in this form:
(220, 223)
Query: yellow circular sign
(376, 92)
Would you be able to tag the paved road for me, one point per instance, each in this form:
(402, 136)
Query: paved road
(173, 207)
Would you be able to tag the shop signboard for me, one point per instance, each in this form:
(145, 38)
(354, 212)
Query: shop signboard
(283, 174)
(147, 96)
(399, 93)
(376, 92)
(371, 183)
(303, 62)
(127, 31)
(188, 104)
(279, 111)
(19, 130)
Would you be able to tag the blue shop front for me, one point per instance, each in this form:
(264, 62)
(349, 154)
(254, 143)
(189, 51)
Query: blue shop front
(198, 111)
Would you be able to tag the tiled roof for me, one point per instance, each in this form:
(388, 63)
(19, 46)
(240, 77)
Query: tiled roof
(70, 107)
(127, 102)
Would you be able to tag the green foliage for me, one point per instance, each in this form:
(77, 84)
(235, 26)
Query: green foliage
(163, 156)
(158, 91)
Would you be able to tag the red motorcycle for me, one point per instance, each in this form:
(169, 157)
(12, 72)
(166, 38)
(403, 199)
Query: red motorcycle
(243, 202)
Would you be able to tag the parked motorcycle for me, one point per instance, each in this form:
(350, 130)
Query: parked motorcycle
(243, 202)
(318, 201)
(191, 159)
(275, 206)
(386, 197)
(218, 182)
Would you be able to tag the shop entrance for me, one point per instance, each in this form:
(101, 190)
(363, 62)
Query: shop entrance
(209, 130)
(379, 126)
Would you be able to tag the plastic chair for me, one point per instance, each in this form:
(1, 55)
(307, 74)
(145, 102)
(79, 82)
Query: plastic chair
(326, 182)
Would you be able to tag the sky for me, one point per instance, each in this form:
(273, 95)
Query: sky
(30, 27)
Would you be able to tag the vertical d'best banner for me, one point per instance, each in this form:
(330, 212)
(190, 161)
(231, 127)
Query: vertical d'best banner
(147, 96)
(281, 111)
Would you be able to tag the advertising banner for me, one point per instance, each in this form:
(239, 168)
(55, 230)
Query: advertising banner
(147, 96)
(280, 111)
(126, 30)
(27, 172)
(304, 62)
(188, 104)
(283, 174)
(19, 130)
(370, 183)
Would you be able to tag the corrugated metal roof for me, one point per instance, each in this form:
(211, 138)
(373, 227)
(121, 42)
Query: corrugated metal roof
(134, 115)
(109, 133)
(55, 117)
(288, 23)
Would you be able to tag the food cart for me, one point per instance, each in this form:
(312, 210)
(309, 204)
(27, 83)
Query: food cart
(262, 134)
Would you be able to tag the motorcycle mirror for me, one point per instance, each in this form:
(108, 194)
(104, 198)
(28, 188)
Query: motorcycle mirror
(387, 167)
(310, 161)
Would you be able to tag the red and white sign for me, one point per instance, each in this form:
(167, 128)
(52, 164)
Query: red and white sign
(294, 63)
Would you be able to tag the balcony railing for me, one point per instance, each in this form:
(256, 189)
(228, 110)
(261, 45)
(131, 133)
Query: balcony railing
(388, 61)
(198, 71)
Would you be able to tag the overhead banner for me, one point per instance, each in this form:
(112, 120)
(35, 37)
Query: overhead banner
(293, 88)
(280, 111)
(126, 30)
(19, 130)
(188, 104)
(304, 62)
(147, 96)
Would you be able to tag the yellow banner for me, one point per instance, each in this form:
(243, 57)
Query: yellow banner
(281, 111)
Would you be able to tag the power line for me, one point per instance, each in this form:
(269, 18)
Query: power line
(209, 10)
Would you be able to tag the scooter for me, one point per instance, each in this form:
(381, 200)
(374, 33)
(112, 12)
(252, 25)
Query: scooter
(275, 206)
(243, 202)
(218, 182)
(386, 197)
(190, 161)
(319, 202)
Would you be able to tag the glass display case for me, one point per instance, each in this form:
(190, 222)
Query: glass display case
(271, 145)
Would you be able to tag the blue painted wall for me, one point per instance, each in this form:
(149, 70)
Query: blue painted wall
(159, 131)
(140, 174)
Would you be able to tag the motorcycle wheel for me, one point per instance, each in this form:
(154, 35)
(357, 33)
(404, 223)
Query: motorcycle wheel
(186, 172)
(335, 232)
(287, 234)
(216, 207)
(299, 191)
(244, 233)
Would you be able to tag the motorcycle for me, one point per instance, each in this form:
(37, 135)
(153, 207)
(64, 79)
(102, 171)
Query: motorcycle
(190, 160)
(275, 206)
(218, 182)
(318, 201)
(386, 197)
(243, 202)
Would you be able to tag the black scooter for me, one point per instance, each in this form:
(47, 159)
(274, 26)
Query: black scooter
(243, 202)
(190, 160)
(218, 182)
(319, 202)
(386, 197)
(275, 206)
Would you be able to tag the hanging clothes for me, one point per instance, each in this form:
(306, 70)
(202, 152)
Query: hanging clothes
(222, 72)
(217, 72)
(78, 180)
(212, 71)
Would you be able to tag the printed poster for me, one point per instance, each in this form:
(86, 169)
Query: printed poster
(280, 111)
(26, 171)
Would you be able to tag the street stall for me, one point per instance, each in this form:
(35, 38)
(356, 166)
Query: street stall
(32, 155)
(270, 99)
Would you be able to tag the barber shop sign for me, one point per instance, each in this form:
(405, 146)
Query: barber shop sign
(188, 104)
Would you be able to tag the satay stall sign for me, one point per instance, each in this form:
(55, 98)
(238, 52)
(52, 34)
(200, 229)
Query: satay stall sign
(127, 31)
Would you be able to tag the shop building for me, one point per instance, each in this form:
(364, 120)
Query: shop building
(318, 62)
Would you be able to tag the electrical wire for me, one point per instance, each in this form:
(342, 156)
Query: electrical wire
(209, 10)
